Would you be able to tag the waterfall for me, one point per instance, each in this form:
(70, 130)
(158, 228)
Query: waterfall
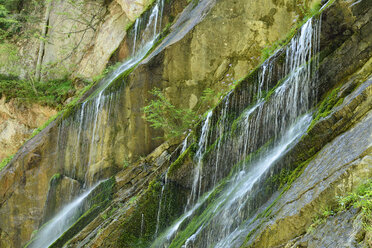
(246, 154)
(87, 127)
(203, 144)
(160, 201)
(53, 229)
(82, 135)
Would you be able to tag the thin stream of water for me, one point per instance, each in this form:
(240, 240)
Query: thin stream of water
(279, 120)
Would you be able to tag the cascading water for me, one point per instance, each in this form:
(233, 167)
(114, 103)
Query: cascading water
(82, 135)
(61, 222)
(262, 135)
(88, 124)
(203, 144)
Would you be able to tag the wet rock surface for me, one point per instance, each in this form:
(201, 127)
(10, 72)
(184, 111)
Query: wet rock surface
(339, 167)
(342, 138)
(342, 230)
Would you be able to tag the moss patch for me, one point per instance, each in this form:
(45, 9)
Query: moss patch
(5, 161)
(325, 108)
(138, 229)
(189, 153)
(52, 93)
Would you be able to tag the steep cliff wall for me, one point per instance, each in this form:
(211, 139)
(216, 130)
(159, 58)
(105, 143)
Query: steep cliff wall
(188, 60)
(71, 37)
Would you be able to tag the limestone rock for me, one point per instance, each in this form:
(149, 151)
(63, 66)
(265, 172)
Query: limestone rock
(59, 187)
(133, 8)
(108, 38)
(17, 122)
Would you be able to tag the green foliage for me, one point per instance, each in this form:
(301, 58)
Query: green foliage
(52, 93)
(5, 161)
(162, 114)
(9, 58)
(321, 218)
(8, 22)
(361, 198)
(126, 163)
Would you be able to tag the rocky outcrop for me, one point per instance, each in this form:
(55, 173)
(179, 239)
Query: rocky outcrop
(17, 122)
(341, 162)
(184, 65)
(133, 8)
(338, 168)
(136, 201)
(343, 230)
(202, 59)
(80, 37)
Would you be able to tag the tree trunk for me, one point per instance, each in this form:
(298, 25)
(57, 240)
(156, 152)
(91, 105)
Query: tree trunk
(42, 40)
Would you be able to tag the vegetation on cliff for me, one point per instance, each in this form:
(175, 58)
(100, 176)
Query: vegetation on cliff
(162, 114)
(360, 198)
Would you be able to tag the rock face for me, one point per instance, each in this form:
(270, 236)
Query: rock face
(216, 59)
(337, 147)
(17, 122)
(223, 46)
(336, 169)
(133, 8)
(111, 33)
(342, 230)
(81, 37)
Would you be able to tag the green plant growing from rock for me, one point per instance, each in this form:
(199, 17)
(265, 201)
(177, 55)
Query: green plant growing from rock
(126, 163)
(162, 114)
(360, 198)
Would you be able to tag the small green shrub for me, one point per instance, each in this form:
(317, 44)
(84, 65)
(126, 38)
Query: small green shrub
(360, 198)
(162, 114)
(126, 163)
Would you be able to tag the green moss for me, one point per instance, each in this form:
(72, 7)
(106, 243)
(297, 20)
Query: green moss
(211, 148)
(39, 129)
(325, 108)
(5, 161)
(109, 213)
(55, 177)
(132, 200)
(97, 201)
(84, 220)
(205, 212)
(237, 121)
(134, 234)
(139, 226)
(189, 153)
(285, 181)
